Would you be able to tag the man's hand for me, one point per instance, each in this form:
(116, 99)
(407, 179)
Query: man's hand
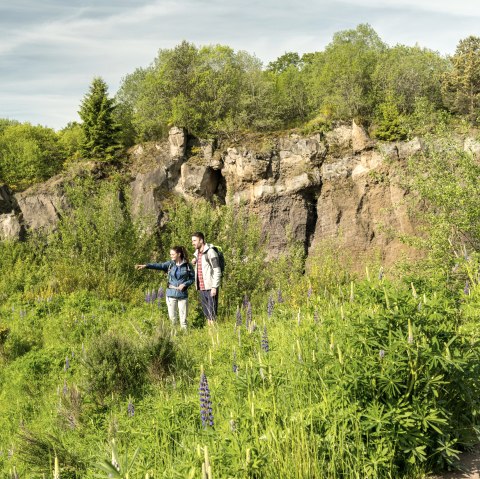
(140, 266)
(194, 261)
(213, 292)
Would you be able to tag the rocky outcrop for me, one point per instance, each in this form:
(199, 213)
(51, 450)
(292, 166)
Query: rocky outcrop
(41, 206)
(10, 220)
(339, 185)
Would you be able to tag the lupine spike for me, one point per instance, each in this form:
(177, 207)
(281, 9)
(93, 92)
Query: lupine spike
(270, 305)
(309, 292)
(410, 332)
(381, 354)
(279, 296)
(206, 412)
(248, 316)
(238, 321)
(315, 316)
(265, 345)
(466, 290)
(131, 409)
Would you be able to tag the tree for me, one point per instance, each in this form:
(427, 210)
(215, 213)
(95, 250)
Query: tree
(285, 61)
(100, 130)
(409, 73)
(340, 78)
(28, 154)
(461, 85)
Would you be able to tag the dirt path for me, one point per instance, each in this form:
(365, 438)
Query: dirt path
(470, 464)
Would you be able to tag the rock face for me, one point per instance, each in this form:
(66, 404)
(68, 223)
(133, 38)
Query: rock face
(10, 223)
(312, 189)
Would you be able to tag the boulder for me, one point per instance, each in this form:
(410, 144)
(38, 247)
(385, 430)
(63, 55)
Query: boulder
(177, 138)
(10, 227)
(360, 139)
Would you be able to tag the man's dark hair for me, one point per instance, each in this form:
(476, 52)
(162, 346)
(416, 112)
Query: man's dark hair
(199, 235)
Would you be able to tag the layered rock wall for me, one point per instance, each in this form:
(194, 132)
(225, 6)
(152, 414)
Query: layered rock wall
(340, 185)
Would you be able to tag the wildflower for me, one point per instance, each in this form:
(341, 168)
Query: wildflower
(309, 292)
(153, 296)
(245, 301)
(160, 293)
(67, 364)
(466, 290)
(238, 321)
(206, 413)
(315, 316)
(265, 345)
(419, 307)
(248, 316)
(65, 388)
(380, 274)
(381, 354)
(131, 409)
(147, 297)
(279, 296)
(270, 305)
(235, 367)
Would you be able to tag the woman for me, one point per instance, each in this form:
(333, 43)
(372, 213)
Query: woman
(180, 276)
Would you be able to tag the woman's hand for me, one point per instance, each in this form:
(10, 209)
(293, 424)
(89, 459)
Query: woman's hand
(140, 266)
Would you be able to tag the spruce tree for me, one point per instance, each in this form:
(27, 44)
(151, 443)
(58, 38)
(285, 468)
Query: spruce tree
(101, 132)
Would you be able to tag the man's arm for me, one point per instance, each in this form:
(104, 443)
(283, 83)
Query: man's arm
(215, 263)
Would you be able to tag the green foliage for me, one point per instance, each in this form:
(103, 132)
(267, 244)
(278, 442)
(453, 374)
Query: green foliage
(100, 131)
(114, 365)
(447, 181)
(407, 73)
(390, 126)
(95, 243)
(340, 78)
(461, 85)
(28, 154)
(71, 139)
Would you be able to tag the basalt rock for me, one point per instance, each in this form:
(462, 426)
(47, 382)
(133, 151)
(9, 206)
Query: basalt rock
(339, 186)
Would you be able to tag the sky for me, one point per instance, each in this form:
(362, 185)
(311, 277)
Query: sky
(50, 50)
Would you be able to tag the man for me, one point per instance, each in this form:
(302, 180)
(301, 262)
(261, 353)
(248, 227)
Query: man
(207, 275)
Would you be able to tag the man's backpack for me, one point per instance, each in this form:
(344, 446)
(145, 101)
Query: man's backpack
(221, 257)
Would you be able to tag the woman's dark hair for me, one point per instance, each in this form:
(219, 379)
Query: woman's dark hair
(199, 235)
(181, 251)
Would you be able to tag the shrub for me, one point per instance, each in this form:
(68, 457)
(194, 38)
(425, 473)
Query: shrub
(114, 365)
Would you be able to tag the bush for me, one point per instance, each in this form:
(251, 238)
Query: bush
(114, 365)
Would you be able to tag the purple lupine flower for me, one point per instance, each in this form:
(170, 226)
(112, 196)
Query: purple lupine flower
(381, 354)
(315, 316)
(153, 295)
(65, 388)
(160, 293)
(235, 366)
(466, 290)
(147, 297)
(130, 409)
(238, 321)
(279, 296)
(265, 345)
(67, 364)
(248, 316)
(206, 412)
(270, 305)
(380, 274)
(245, 301)
(309, 292)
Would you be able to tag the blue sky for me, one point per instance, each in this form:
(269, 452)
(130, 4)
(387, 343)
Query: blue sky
(51, 50)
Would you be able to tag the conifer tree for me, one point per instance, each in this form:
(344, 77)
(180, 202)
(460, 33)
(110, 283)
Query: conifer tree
(101, 132)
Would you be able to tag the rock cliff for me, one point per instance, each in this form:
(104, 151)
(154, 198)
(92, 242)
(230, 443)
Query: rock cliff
(339, 186)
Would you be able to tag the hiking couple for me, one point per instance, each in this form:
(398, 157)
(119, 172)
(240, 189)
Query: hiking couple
(206, 274)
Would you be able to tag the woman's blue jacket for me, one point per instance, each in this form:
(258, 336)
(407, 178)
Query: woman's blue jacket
(177, 275)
